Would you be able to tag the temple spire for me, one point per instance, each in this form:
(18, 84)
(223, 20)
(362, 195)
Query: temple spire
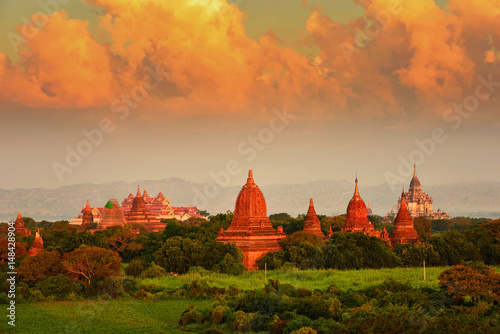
(250, 177)
(414, 170)
(87, 206)
(19, 215)
(356, 192)
(138, 192)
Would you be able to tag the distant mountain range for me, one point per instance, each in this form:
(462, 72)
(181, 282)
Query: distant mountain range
(331, 197)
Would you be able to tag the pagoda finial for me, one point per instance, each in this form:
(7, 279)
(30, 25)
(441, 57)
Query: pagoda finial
(87, 206)
(138, 192)
(356, 192)
(403, 198)
(414, 170)
(250, 177)
(19, 215)
(311, 202)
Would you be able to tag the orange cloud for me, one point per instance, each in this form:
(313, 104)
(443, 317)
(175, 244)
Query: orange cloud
(63, 66)
(395, 60)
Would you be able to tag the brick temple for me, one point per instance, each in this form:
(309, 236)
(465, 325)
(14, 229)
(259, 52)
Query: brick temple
(404, 231)
(312, 225)
(357, 216)
(20, 226)
(139, 214)
(250, 228)
(111, 215)
(37, 246)
(87, 218)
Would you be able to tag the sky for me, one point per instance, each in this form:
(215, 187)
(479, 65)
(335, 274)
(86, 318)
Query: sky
(99, 91)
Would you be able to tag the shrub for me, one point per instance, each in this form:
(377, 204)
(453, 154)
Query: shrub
(199, 271)
(135, 268)
(218, 313)
(241, 322)
(36, 296)
(392, 319)
(153, 271)
(58, 286)
(4, 299)
(474, 280)
(190, 315)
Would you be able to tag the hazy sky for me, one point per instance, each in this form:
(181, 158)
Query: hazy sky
(298, 91)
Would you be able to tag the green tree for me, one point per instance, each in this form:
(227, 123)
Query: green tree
(423, 226)
(58, 286)
(36, 268)
(88, 265)
(178, 254)
(124, 242)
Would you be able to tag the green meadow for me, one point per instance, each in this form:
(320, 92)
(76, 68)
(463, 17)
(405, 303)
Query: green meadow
(311, 279)
(162, 316)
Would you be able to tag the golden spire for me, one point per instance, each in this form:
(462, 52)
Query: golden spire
(250, 177)
(414, 170)
(356, 192)
(138, 192)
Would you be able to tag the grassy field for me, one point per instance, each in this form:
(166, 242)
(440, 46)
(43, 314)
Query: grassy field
(159, 316)
(311, 279)
(100, 317)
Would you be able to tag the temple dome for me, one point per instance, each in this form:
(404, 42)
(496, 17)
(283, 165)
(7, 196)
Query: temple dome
(138, 202)
(357, 216)
(250, 203)
(414, 183)
(356, 208)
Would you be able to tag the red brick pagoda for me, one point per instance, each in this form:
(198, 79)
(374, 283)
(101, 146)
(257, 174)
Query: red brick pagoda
(404, 231)
(251, 229)
(357, 216)
(87, 218)
(312, 225)
(37, 246)
(139, 214)
(111, 215)
(20, 227)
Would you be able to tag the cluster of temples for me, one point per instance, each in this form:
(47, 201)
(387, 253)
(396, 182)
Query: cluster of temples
(21, 230)
(419, 203)
(252, 232)
(139, 209)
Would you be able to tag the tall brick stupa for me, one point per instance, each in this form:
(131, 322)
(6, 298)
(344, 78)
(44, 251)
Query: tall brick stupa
(87, 217)
(37, 246)
(357, 216)
(20, 227)
(312, 225)
(250, 228)
(404, 231)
